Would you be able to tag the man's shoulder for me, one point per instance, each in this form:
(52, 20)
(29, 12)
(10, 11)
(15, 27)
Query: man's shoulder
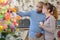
(43, 14)
(32, 11)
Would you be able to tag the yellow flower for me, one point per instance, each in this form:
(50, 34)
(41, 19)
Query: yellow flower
(1, 28)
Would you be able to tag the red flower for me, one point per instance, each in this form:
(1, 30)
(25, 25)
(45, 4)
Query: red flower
(58, 33)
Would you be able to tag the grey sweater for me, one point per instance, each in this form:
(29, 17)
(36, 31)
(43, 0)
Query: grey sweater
(49, 27)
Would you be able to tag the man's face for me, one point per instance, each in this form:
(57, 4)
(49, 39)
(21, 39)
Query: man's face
(39, 7)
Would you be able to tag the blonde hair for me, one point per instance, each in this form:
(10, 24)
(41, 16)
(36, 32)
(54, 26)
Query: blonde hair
(55, 13)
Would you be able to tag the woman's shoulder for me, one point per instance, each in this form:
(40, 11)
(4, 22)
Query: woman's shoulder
(52, 17)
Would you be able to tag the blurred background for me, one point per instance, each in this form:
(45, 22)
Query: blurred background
(21, 31)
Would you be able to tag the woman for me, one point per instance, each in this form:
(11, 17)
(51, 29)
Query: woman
(49, 25)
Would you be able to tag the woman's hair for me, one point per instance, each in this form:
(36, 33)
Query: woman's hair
(52, 9)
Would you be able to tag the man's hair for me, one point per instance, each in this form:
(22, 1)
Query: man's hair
(41, 2)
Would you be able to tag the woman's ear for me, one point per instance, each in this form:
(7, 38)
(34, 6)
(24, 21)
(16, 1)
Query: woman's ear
(48, 10)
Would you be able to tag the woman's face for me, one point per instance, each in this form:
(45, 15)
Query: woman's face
(44, 10)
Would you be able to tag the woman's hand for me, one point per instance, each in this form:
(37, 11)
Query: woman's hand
(41, 24)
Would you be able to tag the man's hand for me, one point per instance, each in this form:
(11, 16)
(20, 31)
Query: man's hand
(38, 35)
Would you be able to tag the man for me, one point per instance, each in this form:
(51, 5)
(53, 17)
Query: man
(36, 16)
